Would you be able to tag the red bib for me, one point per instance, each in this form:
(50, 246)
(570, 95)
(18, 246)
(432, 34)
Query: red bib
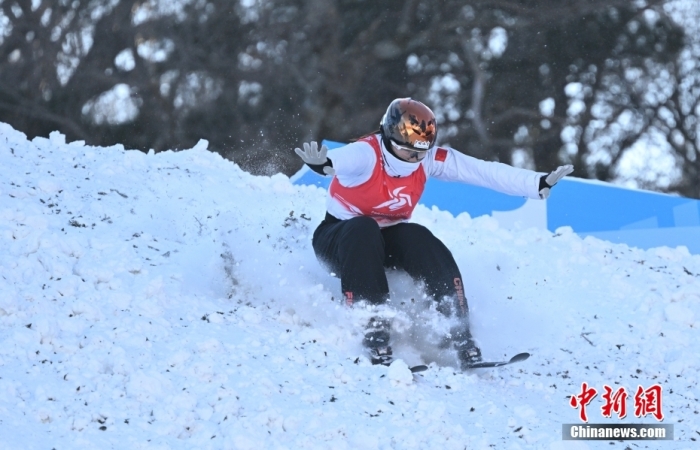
(386, 199)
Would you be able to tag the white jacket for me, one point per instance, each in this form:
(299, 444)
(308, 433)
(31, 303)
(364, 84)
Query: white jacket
(354, 164)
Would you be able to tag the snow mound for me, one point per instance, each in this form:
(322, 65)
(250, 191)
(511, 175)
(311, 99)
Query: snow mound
(173, 300)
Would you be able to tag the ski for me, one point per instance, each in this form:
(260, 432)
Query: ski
(481, 365)
(517, 358)
(384, 356)
(486, 364)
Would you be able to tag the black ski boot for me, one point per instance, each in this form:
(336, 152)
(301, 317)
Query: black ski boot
(377, 340)
(459, 337)
(468, 352)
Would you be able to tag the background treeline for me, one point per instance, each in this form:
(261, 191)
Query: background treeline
(612, 86)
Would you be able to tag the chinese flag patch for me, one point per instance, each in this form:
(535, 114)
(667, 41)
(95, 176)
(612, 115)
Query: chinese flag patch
(441, 155)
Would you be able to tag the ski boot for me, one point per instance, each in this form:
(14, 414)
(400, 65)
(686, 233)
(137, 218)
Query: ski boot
(468, 352)
(377, 341)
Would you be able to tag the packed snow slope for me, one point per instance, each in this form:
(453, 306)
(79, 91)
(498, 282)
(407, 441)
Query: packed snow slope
(173, 300)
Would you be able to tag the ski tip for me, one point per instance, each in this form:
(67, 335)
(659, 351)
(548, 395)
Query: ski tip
(420, 368)
(519, 357)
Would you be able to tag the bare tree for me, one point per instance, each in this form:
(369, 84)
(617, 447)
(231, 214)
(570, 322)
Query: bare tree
(529, 82)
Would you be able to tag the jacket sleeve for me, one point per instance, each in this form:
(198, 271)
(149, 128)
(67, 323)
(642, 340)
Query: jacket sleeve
(353, 163)
(448, 164)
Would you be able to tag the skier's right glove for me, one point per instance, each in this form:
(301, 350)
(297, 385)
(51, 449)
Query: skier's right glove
(316, 159)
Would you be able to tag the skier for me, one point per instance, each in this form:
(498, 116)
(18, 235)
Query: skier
(377, 182)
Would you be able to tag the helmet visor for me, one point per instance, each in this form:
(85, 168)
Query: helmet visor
(408, 154)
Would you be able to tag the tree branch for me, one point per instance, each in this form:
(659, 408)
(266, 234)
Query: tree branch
(478, 91)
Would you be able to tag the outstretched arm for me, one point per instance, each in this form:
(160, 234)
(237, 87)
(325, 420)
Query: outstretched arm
(450, 165)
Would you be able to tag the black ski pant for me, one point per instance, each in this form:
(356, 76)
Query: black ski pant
(358, 251)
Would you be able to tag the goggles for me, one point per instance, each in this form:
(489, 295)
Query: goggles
(408, 154)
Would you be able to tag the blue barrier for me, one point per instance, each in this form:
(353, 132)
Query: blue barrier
(591, 208)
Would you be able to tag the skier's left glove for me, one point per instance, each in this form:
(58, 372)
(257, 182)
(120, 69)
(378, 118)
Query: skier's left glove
(548, 181)
(316, 159)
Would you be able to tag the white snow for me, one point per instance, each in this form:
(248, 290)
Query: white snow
(172, 300)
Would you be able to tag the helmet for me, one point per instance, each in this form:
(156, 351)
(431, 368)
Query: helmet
(409, 123)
